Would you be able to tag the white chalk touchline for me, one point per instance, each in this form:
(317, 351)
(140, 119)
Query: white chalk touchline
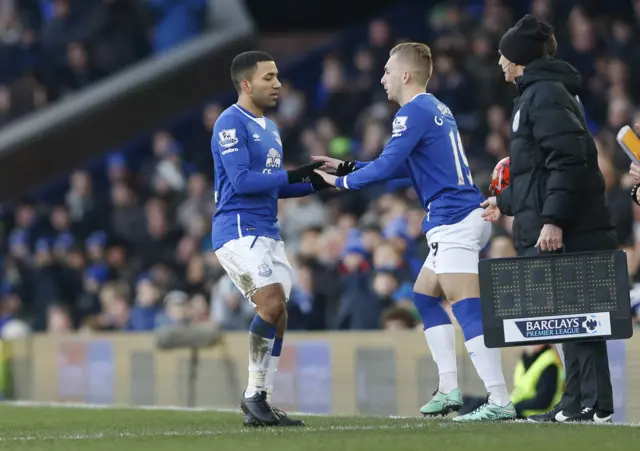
(83, 405)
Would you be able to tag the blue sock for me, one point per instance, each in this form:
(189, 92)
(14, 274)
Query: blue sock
(468, 312)
(277, 347)
(262, 328)
(430, 310)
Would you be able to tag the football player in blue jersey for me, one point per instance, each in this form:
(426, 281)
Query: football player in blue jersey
(249, 180)
(425, 146)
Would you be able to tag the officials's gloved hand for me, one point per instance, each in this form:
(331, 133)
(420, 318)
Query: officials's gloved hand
(303, 174)
(345, 168)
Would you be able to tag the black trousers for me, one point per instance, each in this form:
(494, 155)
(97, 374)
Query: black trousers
(588, 380)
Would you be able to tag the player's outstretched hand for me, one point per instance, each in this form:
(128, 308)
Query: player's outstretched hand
(491, 211)
(302, 174)
(328, 163)
(328, 178)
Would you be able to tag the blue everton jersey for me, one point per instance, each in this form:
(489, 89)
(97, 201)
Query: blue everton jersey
(425, 146)
(249, 177)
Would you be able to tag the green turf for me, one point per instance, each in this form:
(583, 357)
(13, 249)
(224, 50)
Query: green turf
(64, 429)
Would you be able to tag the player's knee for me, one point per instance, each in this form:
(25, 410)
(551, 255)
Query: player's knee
(270, 303)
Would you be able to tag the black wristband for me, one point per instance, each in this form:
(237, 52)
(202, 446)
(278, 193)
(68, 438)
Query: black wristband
(634, 192)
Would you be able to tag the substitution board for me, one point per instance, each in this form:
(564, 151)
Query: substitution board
(555, 298)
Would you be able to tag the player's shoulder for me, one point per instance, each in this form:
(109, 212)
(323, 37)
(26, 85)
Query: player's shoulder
(424, 109)
(409, 113)
(230, 116)
(229, 128)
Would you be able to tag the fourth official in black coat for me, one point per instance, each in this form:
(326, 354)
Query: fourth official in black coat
(556, 194)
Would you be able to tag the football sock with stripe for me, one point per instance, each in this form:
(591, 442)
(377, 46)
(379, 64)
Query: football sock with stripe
(440, 337)
(488, 362)
(261, 338)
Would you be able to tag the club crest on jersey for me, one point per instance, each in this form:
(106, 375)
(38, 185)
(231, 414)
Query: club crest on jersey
(228, 137)
(264, 270)
(399, 125)
(516, 122)
(277, 136)
(273, 159)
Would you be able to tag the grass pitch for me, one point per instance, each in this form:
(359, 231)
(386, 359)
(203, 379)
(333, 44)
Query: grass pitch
(111, 429)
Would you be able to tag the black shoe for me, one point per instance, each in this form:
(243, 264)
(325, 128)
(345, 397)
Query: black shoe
(547, 417)
(284, 418)
(251, 422)
(584, 416)
(258, 407)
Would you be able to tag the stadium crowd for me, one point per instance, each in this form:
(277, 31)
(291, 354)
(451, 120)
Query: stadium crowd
(52, 48)
(139, 256)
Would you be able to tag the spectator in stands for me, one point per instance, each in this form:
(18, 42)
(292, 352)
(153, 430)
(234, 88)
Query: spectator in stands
(10, 306)
(199, 201)
(201, 139)
(114, 31)
(77, 72)
(228, 307)
(199, 309)
(396, 318)
(147, 309)
(176, 309)
(58, 320)
(88, 303)
(83, 205)
(359, 307)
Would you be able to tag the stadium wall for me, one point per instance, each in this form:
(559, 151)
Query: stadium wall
(376, 373)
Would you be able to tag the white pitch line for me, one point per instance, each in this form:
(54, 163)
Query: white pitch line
(91, 406)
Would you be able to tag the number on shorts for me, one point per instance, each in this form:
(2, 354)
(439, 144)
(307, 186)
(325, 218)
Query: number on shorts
(434, 248)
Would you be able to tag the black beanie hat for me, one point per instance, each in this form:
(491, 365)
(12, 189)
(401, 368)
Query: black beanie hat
(525, 42)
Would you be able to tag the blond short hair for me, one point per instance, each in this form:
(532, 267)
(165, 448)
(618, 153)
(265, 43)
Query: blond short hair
(418, 55)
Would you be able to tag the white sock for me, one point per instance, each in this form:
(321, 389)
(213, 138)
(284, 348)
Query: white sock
(442, 344)
(259, 356)
(488, 363)
(271, 375)
(560, 352)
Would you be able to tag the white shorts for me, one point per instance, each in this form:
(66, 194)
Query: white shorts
(455, 248)
(255, 262)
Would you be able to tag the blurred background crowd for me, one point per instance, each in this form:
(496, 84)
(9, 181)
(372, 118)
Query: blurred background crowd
(135, 253)
(50, 49)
